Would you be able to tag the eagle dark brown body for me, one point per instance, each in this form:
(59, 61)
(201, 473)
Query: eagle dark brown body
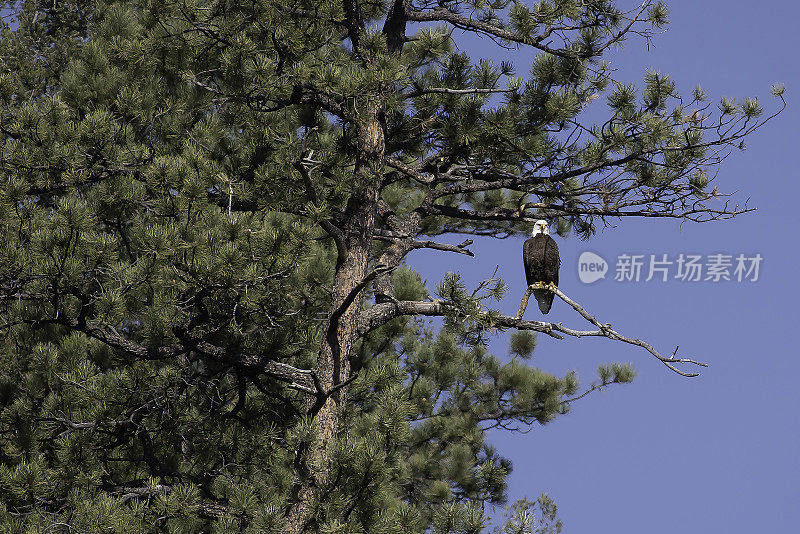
(541, 259)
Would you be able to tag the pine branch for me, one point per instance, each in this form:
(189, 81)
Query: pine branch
(443, 15)
(460, 248)
(695, 213)
(382, 313)
(409, 171)
(605, 329)
(338, 237)
(303, 380)
(413, 245)
(440, 14)
(206, 509)
(421, 91)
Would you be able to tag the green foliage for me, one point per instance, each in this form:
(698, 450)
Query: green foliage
(531, 517)
(408, 285)
(522, 343)
(658, 14)
(615, 373)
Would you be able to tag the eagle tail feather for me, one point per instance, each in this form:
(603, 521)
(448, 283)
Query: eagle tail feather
(544, 298)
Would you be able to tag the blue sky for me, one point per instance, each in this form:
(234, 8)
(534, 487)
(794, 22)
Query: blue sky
(666, 454)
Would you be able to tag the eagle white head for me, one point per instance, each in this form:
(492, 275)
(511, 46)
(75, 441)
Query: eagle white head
(540, 227)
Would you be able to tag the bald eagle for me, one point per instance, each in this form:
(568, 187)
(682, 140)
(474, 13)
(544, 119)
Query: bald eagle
(540, 256)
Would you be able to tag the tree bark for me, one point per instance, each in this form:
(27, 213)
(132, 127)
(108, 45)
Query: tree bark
(341, 331)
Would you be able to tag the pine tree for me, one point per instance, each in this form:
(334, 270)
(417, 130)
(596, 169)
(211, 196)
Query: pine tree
(207, 320)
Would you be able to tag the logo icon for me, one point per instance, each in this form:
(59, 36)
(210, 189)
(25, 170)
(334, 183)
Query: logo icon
(591, 267)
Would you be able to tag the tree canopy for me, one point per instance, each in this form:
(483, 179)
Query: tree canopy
(207, 320)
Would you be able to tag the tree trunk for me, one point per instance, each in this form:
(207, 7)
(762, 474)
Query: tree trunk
(333, 366)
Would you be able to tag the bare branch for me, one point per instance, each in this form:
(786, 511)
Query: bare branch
(413, 245)
(384, 312)
(460, 248)
(605, 330)
(420, 91)
(408, 170)
(696, 212)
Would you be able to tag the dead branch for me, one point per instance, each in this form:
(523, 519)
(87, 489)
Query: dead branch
(382, 313)
(604, 329)
(386, 235)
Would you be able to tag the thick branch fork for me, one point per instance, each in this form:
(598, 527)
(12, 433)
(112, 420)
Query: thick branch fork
(382, 313)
